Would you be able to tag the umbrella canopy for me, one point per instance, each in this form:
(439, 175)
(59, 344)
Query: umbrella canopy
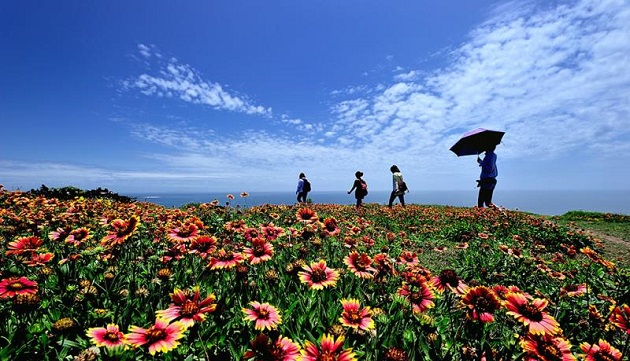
(477, 141)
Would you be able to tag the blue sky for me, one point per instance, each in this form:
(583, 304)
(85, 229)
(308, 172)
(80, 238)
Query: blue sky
(244, 95)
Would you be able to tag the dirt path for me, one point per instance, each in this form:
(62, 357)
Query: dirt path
(615, 248)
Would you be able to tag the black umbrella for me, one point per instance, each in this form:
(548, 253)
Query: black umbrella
(477, 141)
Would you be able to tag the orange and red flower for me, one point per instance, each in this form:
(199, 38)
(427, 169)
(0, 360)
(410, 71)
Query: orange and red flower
(573, 290)
(318, 275)
(161, 337)
(121, 231)
(547, 348)
(188, 307)
(184, 233)
(260, 251)
(265, 348)
(480, 304)
(223, 259)
(330, 227)
(329, 350)
(360, 265)
(408, 258)
(354, 316)
(600, 351)
(109, 336)
(78, 236)
(306, 215)
(9, 287)
(24, 245)
(620, 317)
(203, 246)
(531, 314)
(448, 279)
(264, 315)
(419, 296)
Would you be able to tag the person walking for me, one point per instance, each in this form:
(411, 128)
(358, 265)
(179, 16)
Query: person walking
(488, 178)
(398, 186)
(303, 187)
(359, 187)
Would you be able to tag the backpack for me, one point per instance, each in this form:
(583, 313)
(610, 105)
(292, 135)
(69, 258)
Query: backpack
(364, 187)
(402, 187)
(306, 187)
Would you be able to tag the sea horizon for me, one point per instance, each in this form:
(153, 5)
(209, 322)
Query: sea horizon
(544, 202)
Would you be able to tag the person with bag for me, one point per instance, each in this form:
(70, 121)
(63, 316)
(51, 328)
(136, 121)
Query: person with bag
(303, 187)
(360, 188)
(399, 186)
(488, 177)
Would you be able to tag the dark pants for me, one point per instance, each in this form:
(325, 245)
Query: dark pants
(486, 188)
(400, 195)
(301, 197)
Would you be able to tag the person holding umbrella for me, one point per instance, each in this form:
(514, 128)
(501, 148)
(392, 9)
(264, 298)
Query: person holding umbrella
(475, 142)
(488, 177)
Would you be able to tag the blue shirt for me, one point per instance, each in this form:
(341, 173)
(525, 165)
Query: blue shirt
(300, 186)
(489, 166)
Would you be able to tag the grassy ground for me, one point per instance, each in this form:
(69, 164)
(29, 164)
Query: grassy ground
(613, 229)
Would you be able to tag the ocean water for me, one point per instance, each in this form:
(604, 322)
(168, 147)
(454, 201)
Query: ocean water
(540, 202)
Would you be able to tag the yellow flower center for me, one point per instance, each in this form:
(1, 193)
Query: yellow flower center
(16, 286)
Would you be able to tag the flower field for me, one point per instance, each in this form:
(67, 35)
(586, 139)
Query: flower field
(97, 279)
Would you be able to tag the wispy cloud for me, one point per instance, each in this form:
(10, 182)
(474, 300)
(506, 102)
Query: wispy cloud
(177, 80)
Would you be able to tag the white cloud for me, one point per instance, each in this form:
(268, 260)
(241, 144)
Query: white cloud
(182, 81)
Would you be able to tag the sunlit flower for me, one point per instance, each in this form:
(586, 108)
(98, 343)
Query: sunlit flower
(330, 227)
(360, 265)
(384, 265)
(203, 246)
(271, 232)
(109, 336)
(223, 259)
(265, 348)
(12, 286)
(620, 317)
(188, 307)
(306, 215)
(58, 235)
(260, 251)
(409, 258)
(38, 259)
(244, 194)
(573, 290)
(161, 337)
(602, 351)
(121, 231)
(448, 279)
(24, 245)
(547, 348)
(184, 233)
(502, 291)
(420, 296)
(78, 236)
(318, 275)
(354, 316)
(230, 196)
(531, 314)
(264, 315)
(480, 304)
(329, 350)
